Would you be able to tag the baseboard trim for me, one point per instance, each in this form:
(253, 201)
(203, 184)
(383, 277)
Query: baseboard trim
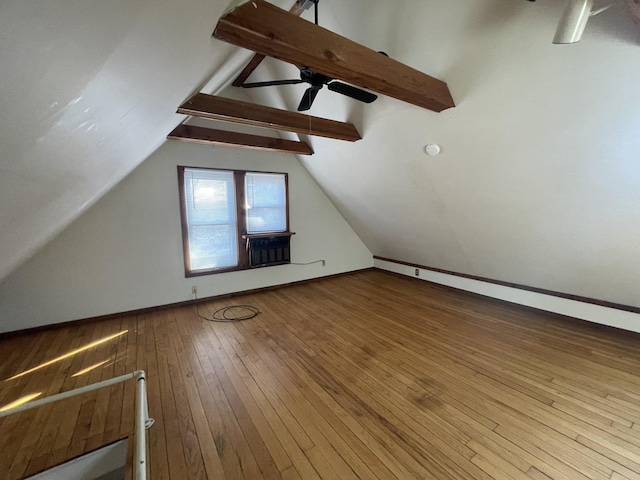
(598, 311)
(142, 311)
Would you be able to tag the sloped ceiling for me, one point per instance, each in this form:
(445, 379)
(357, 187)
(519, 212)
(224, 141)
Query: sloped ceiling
(538, 179)
(88, 90)
(538, 182)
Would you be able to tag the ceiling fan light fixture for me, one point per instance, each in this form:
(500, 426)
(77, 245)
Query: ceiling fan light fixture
(573, 21)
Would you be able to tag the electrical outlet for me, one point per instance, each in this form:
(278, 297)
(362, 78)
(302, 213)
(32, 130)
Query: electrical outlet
(194, 290)
(417, 272)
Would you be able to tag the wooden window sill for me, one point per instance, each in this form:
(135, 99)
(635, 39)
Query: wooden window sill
(268, 235)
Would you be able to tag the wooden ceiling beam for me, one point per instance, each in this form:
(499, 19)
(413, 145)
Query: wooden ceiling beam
(209, 136)
(257, 59)
(236, 111)
(269, 30)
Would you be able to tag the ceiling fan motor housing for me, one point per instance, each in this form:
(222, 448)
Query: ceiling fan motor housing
(314, 78)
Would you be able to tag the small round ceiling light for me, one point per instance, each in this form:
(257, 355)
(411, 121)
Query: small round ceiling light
(432, 149)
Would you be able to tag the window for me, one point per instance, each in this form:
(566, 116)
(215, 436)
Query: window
(266, 202)
(225, 211)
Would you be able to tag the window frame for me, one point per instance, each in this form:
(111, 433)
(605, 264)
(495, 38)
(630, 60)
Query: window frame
(241, 221)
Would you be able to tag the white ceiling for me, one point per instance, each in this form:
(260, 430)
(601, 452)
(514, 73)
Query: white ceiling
(88, 90)
(538, 179)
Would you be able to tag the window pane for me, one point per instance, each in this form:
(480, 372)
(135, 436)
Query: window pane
(212, 246)
(211, 218)
(266, 202)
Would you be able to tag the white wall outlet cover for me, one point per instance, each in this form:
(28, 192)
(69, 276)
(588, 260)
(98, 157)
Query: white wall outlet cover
(432, 149)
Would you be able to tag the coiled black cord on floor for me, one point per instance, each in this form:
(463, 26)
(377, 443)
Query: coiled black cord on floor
(226, 314)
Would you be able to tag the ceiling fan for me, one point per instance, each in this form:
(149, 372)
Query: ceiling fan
(317, 81)
(576, 14)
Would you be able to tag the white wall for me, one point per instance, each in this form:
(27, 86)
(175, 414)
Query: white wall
(538, 182)
(572, 308)
(125, 253)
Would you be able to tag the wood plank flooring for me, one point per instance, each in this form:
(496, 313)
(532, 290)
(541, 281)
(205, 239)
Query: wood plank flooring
(365, 376)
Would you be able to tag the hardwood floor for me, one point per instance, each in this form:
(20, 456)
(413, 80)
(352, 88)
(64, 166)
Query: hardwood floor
(363, 376)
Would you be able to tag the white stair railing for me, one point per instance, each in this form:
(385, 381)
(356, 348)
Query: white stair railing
(142, 413)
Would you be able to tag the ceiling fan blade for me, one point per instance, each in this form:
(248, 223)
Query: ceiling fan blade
(308, 98)
(272, 83)
(352, 92)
